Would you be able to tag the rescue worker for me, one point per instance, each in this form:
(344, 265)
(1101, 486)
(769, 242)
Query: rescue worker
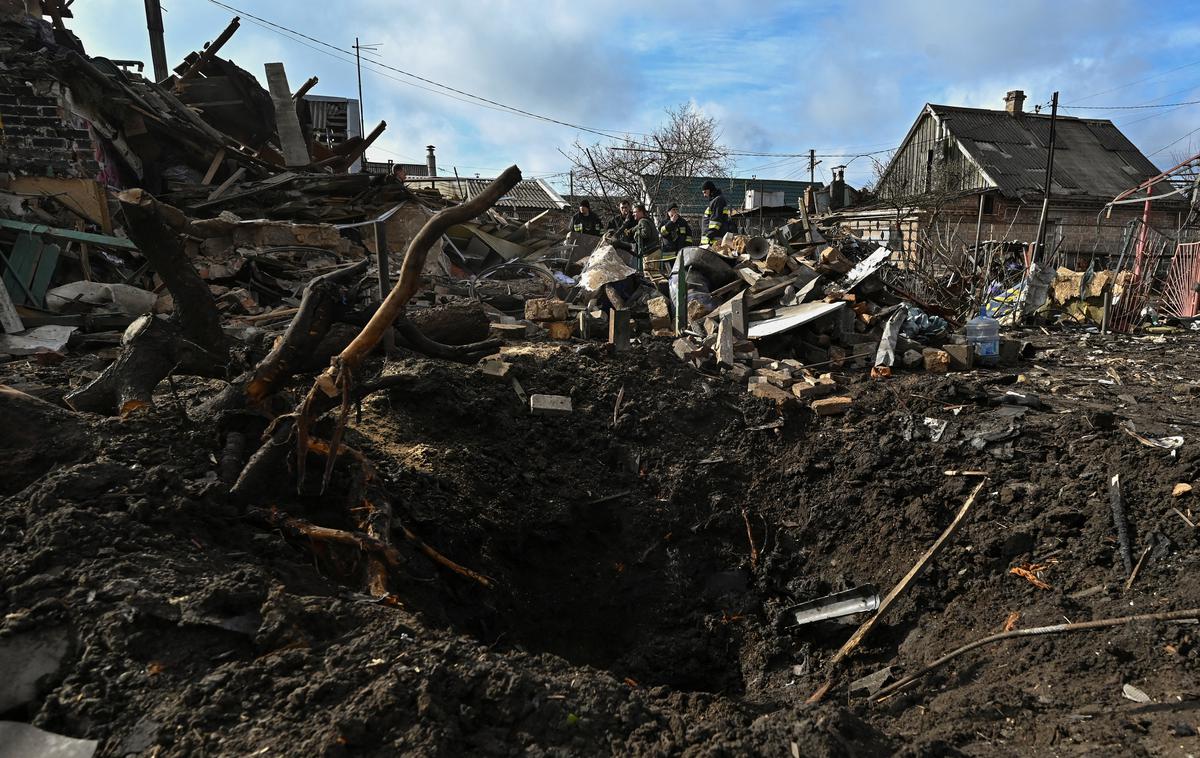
(621, 227)
(675, 231)
(716, 216)
(645, 236)
(586, 222)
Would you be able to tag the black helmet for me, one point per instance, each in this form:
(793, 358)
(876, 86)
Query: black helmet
(709, 186)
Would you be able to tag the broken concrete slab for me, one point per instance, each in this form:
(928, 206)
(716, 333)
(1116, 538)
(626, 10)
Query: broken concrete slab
(768, 391)
(550, 405)
(27, 661)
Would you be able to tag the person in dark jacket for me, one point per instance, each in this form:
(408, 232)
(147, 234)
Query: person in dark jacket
(675, 231)
(620, 228)
(586, 222)
(716, 216)
(645, 236)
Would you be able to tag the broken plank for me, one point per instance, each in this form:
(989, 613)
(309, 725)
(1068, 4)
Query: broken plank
(102, 240)
(773, 291)
(233, 179)
(922, 562)
(213, 167)
(725, 341)
(10, 320)
(287, 123)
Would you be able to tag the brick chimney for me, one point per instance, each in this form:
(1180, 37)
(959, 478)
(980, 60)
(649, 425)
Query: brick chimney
(1014, 102)
(430, 161)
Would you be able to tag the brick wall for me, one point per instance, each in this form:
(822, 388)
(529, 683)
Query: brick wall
(38, 136)
(1080, 233)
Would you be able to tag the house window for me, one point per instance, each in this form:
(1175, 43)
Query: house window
(989, 205)
(929, 172)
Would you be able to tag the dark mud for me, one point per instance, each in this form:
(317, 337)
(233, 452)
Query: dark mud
(631, 613)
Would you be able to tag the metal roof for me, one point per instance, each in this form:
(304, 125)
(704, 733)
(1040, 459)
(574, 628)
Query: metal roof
(685, 190)
(1092, 157)
(529, 193)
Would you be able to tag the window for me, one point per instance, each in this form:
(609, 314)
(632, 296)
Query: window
(989, 205)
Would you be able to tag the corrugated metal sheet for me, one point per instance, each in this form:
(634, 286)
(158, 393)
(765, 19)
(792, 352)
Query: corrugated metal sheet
(528, 194)
(1092, 157)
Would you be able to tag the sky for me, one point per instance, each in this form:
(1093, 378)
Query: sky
(843, 78)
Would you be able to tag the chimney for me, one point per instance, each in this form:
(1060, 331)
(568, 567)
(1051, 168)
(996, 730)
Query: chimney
(837, 188)
(1014, 102)
(430, 161)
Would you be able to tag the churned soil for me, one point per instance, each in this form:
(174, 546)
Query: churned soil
(642, 552)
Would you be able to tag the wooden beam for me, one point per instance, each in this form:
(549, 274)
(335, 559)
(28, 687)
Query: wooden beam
(212, 168)
(287, 123)
(304, 88)
(207, 53)
(236, 175)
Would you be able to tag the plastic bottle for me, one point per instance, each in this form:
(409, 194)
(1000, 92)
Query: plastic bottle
(984, 333)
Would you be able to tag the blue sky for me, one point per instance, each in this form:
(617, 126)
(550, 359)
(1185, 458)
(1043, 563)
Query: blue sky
(780, 77)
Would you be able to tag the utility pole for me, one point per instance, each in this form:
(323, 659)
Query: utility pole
(812, 165)
(158, 50)
(1038, 253)
(362, 121)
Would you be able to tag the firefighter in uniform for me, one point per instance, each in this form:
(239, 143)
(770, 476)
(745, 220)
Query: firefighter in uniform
(586, 222)
(716, 216)
(675, 231)
(645, 237)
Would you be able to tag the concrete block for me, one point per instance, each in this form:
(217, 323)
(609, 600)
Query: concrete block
(550, 405)
(936, 361)
(831, 406)
(962, 357)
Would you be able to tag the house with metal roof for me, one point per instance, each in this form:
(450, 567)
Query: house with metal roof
(660, 191)
(528, 199)
(968, 173)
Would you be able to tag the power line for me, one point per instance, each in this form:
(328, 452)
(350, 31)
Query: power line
(451, 92)
(1181, 139)
(1139, 81)
(610, 134)
(1127, 107)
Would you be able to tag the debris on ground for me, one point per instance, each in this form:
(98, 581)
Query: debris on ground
(305, 457)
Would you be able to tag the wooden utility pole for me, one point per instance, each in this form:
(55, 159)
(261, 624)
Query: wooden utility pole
(1038, 253)
(158, 49)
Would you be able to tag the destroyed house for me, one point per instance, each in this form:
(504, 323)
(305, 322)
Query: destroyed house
(959, 166)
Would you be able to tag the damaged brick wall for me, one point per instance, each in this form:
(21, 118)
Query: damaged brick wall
(40, 137)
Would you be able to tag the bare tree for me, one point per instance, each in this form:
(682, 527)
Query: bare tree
(688, 144)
